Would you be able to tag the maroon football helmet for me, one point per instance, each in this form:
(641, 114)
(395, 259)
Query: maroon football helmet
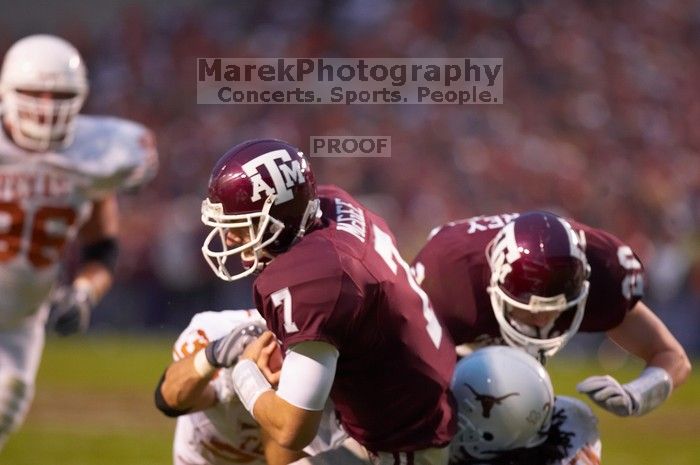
(262, 192)
(538, 264)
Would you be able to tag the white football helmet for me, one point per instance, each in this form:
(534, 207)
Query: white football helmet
(42, 64)
(505, 401)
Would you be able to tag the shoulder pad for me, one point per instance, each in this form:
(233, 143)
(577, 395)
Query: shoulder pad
(313, 259)
(112, 153)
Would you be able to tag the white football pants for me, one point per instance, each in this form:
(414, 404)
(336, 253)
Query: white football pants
(20, 353)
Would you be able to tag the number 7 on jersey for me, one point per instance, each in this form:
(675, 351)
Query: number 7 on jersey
(384, 246)
(386, 249)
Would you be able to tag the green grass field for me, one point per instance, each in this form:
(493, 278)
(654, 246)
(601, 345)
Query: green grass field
(94, 406)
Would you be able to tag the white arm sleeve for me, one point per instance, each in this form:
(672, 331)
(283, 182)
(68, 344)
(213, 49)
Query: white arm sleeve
(307, 375)
(650, 390)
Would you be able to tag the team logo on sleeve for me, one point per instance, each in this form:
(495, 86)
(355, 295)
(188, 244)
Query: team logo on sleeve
(282, 170)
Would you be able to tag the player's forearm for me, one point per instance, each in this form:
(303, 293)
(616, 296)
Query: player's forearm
(100, 248)
(675, 362)
(643, 334)
(287, 425)
(276, 454)
(96, 278)
(290, 415)
(183, 388)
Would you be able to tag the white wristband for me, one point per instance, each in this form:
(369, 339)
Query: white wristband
(649, 391)
(202, 365)
(249, 383)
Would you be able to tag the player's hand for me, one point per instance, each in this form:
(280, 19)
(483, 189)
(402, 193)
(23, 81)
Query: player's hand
(266, 354)
(224, 352)
(69, 310)
(609, 394)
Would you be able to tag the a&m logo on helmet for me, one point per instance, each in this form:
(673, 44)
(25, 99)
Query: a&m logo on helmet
(284, 172)
(505, 250)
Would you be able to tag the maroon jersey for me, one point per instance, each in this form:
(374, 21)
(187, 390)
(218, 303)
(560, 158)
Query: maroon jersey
(455, 274)
(344, 283)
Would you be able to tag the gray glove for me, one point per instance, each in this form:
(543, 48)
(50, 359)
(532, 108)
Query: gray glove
(224, 352)
(69, 310)
(637, 397)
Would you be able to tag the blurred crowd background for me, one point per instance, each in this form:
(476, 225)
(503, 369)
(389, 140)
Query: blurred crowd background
(600, 122)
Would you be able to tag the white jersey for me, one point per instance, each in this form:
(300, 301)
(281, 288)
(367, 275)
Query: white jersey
(227, 434)
(585, 443)
(46, 197)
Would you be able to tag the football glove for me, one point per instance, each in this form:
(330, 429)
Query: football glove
(634, 398)
(69, 310)
(224, 352)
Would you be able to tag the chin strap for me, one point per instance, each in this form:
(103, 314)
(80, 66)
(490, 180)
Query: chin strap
(310, 214)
